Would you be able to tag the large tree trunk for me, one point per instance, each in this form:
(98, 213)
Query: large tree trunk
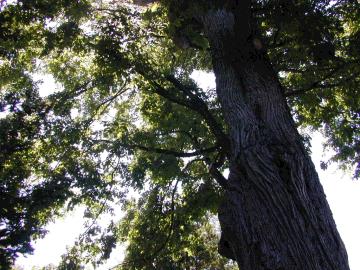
(274, 214)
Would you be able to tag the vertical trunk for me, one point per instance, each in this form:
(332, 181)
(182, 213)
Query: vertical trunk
(274, 214)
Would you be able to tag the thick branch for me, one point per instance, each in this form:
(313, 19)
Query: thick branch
(192, 102)
(161, 150)
(214, 170)
(161, 91)
(196, 104)
(171, 152)
(200, 107)
(222, 181)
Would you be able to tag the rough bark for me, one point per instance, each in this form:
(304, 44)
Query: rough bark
(274, 214)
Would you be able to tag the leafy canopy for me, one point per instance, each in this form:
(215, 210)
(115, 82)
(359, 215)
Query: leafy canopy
(128, 117)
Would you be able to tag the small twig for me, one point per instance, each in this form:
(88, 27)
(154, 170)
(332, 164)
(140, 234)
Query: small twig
(320, 83)
(170, 232)
(103, 204)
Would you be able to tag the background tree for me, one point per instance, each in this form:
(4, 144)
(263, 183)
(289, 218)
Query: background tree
(128, 116)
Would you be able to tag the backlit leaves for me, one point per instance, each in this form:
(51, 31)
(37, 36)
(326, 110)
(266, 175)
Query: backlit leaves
(126, 117)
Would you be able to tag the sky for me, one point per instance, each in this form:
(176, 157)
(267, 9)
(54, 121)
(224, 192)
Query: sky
(343, 194)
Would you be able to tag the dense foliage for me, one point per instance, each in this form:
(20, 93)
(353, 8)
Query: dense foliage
(127, 116)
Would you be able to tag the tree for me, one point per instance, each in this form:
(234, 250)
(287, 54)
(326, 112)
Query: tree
(129, 116)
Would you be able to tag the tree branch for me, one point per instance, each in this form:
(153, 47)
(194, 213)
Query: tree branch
(319, 85)
(220, 179)
(173, 152)
(168, 236)
(198, 105)
(106, 102)
(214, 170)
(161, 150)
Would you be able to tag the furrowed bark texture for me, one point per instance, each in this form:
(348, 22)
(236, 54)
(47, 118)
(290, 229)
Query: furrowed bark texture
(274, 214)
